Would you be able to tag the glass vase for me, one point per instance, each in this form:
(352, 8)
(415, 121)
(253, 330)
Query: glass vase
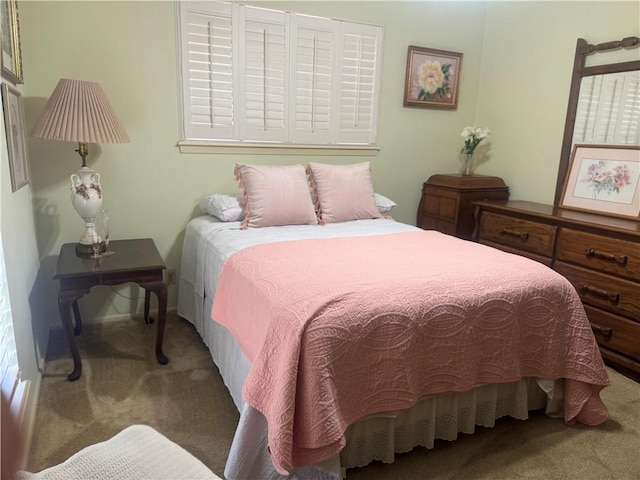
(105, 231)
(467, 165)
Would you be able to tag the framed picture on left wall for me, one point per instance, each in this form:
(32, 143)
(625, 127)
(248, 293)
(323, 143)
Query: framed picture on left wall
(11, 58)
(14, 129)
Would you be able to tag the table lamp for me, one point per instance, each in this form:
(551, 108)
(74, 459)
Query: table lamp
(79, 111)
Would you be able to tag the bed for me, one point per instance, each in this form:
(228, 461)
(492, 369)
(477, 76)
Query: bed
(395, 337)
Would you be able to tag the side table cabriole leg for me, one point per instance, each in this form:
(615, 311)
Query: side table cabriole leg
(66, 300)
(160, 289)
(147, 302)
(76, 314)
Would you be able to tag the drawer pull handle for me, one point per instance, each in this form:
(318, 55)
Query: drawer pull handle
(612, 297)
(593, 253)
(604, 331)
(514, 233)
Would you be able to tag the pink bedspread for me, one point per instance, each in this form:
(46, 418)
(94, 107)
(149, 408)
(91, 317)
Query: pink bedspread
(338, 329)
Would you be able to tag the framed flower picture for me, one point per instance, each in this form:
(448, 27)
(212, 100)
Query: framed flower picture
(432, 78)
(604, 179)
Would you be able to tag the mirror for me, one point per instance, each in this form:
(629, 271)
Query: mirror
(604, 102)
(608, 110)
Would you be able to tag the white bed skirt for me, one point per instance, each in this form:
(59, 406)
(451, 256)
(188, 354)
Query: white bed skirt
(441, 417)
(377, 437)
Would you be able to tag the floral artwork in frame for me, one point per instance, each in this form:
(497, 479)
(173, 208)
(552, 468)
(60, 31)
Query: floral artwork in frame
(604, 179)
(14, 130)
(11, 52)
(432, 78)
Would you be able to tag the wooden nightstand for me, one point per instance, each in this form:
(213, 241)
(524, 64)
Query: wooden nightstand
(446, 203)
(135, 261)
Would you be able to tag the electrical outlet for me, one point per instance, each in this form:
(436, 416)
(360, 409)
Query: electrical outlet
(170, 276)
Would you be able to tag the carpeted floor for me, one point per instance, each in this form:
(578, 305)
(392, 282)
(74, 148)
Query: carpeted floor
(186, 401)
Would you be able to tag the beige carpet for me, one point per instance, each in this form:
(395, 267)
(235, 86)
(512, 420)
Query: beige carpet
(186, 401)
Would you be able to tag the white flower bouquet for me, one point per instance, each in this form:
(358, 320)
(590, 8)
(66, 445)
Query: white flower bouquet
(472, 138)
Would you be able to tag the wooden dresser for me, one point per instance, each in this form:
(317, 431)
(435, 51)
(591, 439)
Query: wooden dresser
(447, 201)
(599, 255)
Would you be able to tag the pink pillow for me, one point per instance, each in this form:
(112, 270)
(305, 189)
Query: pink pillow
(343, 192)
(275, 195)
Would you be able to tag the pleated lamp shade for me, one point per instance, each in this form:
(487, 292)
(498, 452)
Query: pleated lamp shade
(79, 111)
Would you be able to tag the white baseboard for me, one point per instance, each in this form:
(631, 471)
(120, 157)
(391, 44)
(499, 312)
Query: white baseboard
(30, 390)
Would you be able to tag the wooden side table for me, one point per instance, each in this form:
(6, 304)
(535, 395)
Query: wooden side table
(135, 261)
(447, 202)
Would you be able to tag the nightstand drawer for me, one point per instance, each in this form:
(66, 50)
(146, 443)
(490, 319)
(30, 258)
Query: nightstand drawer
(431, 223)
(440, 203)
(605, 291)
(514, 232)
(615, 332)
(610, 255)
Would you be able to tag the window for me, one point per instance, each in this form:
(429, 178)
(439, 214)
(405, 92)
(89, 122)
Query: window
(8, 358)
(251, 75)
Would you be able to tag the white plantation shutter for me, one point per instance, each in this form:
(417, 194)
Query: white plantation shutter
(606, 110)
(208, 86)
(359, 82)
(313, 58)
(265, 75)
(627, 128)
(256, 75)
(8, 359)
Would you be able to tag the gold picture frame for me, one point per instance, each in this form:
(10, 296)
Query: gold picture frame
(13, 109)
(11, 58)
(604, 179)
(432, 78)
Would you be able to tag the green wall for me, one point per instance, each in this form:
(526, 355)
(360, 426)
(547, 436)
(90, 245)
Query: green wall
(515, 78)
(524, 84)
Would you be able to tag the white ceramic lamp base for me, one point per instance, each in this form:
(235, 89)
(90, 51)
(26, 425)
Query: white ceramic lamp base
(86, 197)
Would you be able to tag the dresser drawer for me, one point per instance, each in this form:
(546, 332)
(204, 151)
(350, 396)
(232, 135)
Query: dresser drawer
(613, 294)
(615, 332)
(607, 254)
(538, 258)
(514, 232)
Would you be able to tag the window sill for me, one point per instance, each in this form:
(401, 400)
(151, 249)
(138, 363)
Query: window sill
(276, 149)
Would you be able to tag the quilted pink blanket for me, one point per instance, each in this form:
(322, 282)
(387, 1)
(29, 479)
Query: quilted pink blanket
(338, 329)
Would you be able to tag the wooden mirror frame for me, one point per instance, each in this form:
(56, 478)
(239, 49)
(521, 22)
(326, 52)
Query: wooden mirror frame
(584, 49)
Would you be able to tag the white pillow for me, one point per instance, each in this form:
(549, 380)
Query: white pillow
(225, 206)
(383, 203)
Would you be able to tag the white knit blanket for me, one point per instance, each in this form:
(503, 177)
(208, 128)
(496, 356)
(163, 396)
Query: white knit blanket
(136, 453)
